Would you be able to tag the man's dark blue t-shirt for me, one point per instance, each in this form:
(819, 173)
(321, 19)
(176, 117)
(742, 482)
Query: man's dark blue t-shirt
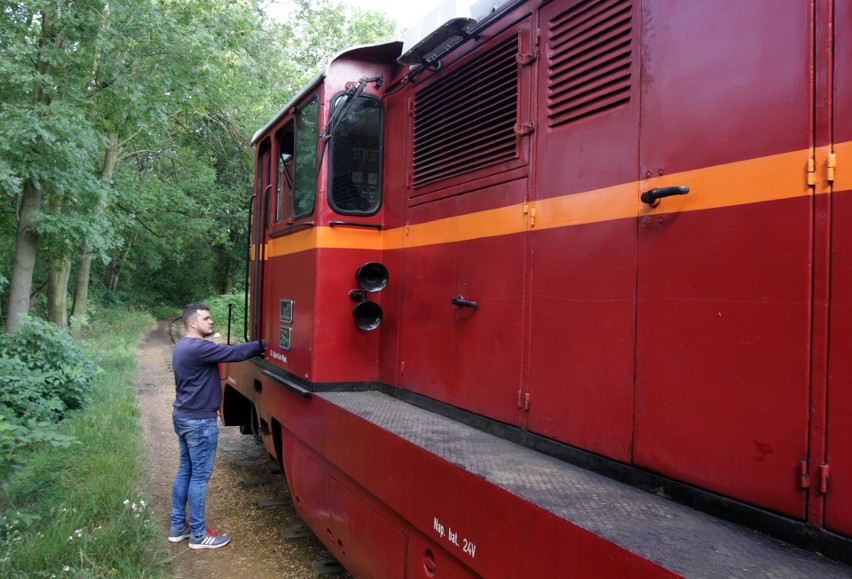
(198, 392)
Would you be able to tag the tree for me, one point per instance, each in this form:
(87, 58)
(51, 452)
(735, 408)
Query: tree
(124, 131)
(47, 139)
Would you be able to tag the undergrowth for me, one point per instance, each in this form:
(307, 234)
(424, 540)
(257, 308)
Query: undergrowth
(80, 510)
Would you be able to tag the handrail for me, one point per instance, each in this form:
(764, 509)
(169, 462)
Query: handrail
(263, 226)
(248, 263)
(290, 229)
(355, 224)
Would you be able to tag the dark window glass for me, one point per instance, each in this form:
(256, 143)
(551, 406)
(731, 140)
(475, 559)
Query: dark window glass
(356, 156)
(284, 174)
(305, 178)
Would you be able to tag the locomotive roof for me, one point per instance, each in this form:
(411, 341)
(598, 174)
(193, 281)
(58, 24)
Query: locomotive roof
(383, 51)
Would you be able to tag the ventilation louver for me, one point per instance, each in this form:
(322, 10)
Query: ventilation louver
(466, 120)
(589, 52)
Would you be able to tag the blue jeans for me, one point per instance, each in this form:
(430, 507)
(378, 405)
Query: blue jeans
(198, 438)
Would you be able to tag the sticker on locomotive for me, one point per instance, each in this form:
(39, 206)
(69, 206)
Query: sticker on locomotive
(452, 537)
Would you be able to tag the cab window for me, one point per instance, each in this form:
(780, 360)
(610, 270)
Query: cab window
(305, 177)
(356, 156)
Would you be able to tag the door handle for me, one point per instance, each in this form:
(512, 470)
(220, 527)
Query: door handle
(463, 303)
(651, 197)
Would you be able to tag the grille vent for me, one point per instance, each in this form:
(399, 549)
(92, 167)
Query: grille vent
(466, 120)
(589, 55)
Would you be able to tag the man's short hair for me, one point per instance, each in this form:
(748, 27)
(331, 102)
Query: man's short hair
(191, 310)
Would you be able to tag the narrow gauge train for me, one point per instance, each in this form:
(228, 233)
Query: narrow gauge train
(546, 257)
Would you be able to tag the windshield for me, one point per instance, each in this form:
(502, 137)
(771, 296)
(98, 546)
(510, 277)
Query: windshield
(356, 156)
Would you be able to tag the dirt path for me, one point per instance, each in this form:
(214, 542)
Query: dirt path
(243, 481)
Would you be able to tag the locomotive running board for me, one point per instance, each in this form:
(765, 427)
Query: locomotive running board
(673, 536)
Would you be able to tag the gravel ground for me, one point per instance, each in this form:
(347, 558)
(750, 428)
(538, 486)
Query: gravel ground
(244, 482)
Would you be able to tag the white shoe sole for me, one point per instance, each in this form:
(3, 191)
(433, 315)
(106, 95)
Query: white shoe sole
(208, 545)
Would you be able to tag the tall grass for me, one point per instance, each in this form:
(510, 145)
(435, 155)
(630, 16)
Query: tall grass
(82, 511)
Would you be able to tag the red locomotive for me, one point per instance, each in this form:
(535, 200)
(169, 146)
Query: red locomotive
(549, 256)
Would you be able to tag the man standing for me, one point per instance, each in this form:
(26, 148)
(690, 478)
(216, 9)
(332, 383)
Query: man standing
(198, 397)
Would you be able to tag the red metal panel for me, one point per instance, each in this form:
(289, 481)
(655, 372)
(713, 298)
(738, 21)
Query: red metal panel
(467, 357)
(718, 76)
(427, 342)
(581, 374)
(427, 559)
(724, 294)
(307, 481)
(365, 543)
(291, 277)
(319, 283)
(838, 514)
(341, 351)
(402, 475)
(489, 340)
(584, 276)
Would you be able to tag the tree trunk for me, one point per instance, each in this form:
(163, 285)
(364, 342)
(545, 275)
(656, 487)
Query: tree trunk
(59, 268)
(26, 242)
(118, 264)
(57, 291)
(229, 280)
(81, 288)
(84, 269)
(26, 239)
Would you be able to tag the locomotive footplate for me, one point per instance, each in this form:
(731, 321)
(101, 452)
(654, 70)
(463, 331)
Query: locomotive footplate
(675, 537)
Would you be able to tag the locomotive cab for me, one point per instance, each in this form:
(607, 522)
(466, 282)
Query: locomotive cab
(318, 193)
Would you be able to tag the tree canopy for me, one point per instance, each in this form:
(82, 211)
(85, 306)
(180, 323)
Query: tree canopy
(124, 130)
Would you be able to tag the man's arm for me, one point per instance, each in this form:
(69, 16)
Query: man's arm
(213, 353)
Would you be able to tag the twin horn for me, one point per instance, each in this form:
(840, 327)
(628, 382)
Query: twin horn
(372, 277)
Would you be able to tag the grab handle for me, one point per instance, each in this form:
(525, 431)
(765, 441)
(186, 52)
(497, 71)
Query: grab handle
(651, 197)
(463, 303)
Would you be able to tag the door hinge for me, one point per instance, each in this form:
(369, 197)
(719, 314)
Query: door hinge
(529, 210)
(810, 175)
(524, 400)
(804, 477)
(525, 58)
(823, 478)
(525, 128)
(830, 164)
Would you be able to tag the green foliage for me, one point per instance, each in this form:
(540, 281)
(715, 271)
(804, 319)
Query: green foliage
(17, 439)
(178, 88)
(44, 374)
(219, 306)
(81, 512)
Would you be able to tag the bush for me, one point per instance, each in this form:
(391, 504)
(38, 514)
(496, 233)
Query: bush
(43, 372)
(82, 512)
(16, 439)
